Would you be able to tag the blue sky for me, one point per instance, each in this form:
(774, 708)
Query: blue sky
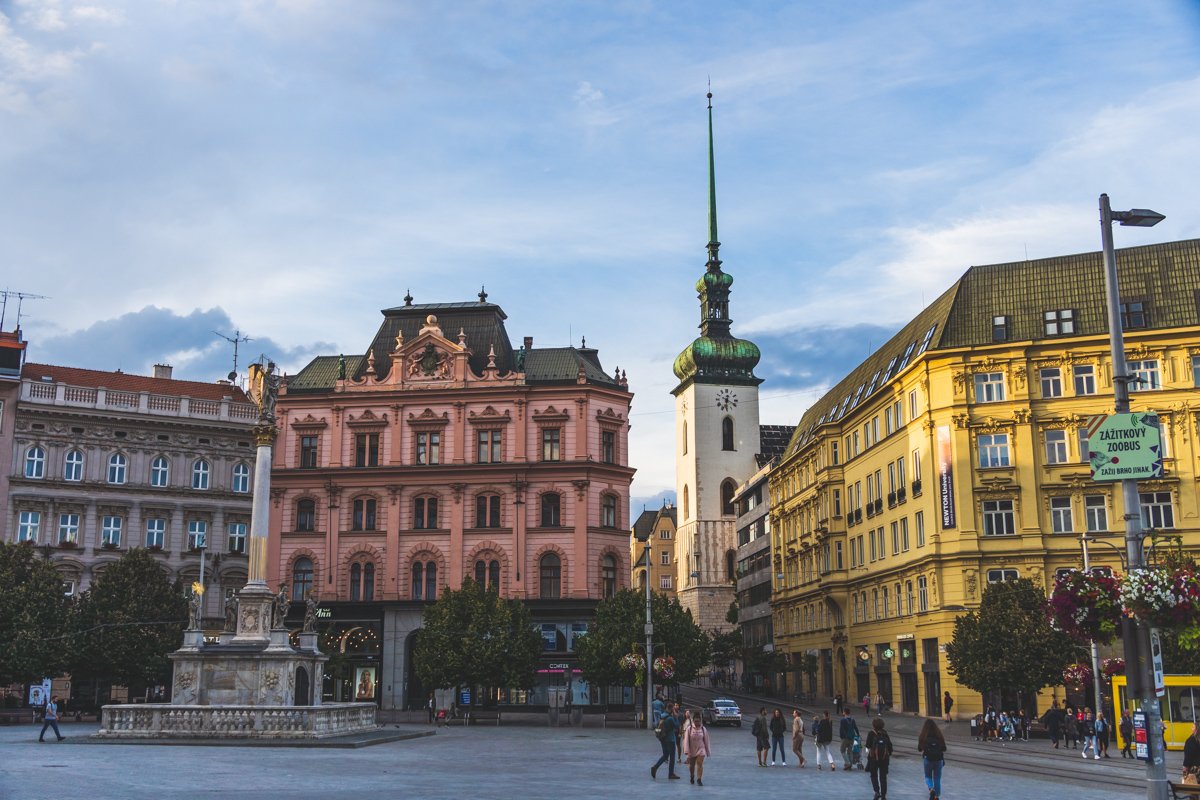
(288, 168)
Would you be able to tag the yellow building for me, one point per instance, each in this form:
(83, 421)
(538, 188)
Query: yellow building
(660, 527)
(956, 456)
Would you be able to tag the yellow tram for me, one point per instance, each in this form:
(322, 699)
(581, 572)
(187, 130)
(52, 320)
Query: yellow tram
(1180, 707)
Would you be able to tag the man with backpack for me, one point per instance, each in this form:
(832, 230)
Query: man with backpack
(879, 756)
(847, 732)
(824, 737)
(668, 734)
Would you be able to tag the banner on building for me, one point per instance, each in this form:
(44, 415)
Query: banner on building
(946, 476)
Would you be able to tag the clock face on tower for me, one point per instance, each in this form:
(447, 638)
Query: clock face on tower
(726, 400)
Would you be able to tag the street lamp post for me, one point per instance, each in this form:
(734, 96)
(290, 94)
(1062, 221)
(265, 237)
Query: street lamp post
(1136, 634)
(1096, 685)
(649, 638)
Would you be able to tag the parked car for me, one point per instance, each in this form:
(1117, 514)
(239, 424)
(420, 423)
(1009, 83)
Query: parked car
(722, 711)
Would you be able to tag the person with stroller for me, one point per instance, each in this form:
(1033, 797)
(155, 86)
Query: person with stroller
(848, 733)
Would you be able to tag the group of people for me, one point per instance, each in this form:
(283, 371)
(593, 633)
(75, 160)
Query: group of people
(684, 735)
(1002, 726)
(1080, 728)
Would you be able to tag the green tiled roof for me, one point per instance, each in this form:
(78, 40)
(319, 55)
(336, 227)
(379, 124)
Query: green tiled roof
(321, 373)
(561, 365)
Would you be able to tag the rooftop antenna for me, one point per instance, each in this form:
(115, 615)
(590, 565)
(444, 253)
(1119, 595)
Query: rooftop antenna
(21, 297)
(237, 338)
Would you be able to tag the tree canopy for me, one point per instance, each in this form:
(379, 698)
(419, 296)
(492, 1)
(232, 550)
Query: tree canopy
(619, 628)
(127, 622)
(1009, 643)
(470, 637)
(34, 616)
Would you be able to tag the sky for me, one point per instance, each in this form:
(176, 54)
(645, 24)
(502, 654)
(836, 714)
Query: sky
(287, 168)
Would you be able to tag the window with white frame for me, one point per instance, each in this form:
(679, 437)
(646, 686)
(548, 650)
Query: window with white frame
(241, 478)
(117, 465)
(110, 530)
(664, 582)
(912, 404)
(608, 511)
(919, 526)
(999, 328)
(908, 596)
(73, 466)
(1056, 447)
(197, 536)
(68, 528)
(200, 473)
(989, 387)
(160, 472)
(895, 537)
(1081, 438)
(1084, 376)
(237, 537)
(999, 518)
(1001, 575)
(1096, 511)
(993, 450)
(35, 462)
(29, 525)
(904, 534)
(1061, 520)
(156, 532)
(1051, 380)
(664, 558)
(1144, 375)
(1157, 512)
(1059, 322)
(922, 593)
(429, 447)
(488, 447)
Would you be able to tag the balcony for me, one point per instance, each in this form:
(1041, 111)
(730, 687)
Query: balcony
(891, 499)
(61, 394)
(916, 488)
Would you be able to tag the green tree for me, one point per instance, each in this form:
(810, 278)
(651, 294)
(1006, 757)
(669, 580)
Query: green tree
(127, 622)
(34, 616)
(1178, 659)
(619, 628)
(726, 647)
(470, 637)
(1008, 643)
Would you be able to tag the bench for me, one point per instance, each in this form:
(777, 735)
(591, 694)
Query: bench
(1185, 791)
(634, 718)
(17, 716)
(479, 715)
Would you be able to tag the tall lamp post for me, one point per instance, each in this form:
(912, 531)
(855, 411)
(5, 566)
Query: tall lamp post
(1087, 569)
(1136, 634)
(649, 634)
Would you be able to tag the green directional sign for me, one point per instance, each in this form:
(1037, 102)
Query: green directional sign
(1125, 446)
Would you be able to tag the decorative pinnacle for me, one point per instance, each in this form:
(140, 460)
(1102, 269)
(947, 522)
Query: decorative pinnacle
(482, 294)
(408, 298)
(713, 241)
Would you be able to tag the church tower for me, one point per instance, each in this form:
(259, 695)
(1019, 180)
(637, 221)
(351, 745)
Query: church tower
(716, 437)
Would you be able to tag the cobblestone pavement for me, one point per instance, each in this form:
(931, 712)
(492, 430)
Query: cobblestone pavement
(511, 761)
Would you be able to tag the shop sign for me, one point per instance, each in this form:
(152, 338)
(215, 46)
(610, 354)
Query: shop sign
(905, 637)
(324, 613)
(946, 476)
(1125, 446)
(889, 653)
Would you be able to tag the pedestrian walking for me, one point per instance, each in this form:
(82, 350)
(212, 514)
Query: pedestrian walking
(778, 726)
(1088, 731)
(932, 746)
(1022, 726)
(991, 722)
(839, 703)
(668, 734)
(762, 736)
(947, 704)
(657, 708)
(1126, 729)
(879, 703)
(1103, 734)
(429, 705)
(866, 701)
(879, 756)
(50, 719)
(1070, 729)
(798, 738)
(1053, 720)
(824, 737)
(847, 732)
(1191, 757)
(696, 747)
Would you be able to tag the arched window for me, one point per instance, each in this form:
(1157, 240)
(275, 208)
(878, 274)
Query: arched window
(241, 478)
(368, 581)
(728, 487)
(200, 471)
(430, 580)
(494, 574)
(306, 515)
(364, 514)
(35, 463)
(302, 578)
(551, 510)
(481, 573)
(551, 576)
(160, 472)
(487, 574)
(731, 565)
(362, 581)
(687, 505)
(425, 513)
(608, 577)
(418, 580)
(73, 466)
(608, 511)
(727, 433)
(487, 511)
(685, 437)
(355, 580)
(116, 468)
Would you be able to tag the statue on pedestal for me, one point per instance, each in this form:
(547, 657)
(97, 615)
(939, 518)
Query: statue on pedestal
(231, 609)
(310, 612)
(282, 604)
(196, 611)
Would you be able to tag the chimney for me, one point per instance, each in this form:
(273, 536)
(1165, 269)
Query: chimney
(528, 343)
(162, 371)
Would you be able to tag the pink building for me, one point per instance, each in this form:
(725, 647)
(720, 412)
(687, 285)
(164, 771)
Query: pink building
(443, 453)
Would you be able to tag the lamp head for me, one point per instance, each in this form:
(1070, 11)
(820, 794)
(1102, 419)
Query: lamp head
(1138, 217)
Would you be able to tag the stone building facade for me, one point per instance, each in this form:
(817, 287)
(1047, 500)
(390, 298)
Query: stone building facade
(103, 462)
(659, 528)
(441, 453)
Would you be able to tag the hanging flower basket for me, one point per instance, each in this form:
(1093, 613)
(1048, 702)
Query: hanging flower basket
(1086, 606)
(664, 667)
(1077, 675)
(1163, 598)
(1112, 666)
(635, 663)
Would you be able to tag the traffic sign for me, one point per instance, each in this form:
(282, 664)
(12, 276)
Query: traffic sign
(1156, 662)
(1125, 446)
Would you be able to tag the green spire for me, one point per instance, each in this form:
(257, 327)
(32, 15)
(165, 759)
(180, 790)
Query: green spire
(712, 181)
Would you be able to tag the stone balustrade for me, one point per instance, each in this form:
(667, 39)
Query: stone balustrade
(61, 394)
(166, 721)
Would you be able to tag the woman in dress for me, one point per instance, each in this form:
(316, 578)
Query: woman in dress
(696, 748)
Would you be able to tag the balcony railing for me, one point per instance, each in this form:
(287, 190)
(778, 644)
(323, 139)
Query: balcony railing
(61, 394)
